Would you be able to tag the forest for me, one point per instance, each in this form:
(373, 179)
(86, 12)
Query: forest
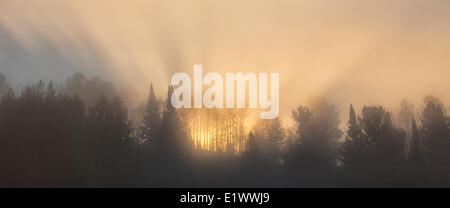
(81, 134)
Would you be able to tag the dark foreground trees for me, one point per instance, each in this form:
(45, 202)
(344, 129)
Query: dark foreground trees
(49, 138)
(372, 153)
(38, 134)
(312, 155)
(106, 151)
(436, 139)
(171, 151)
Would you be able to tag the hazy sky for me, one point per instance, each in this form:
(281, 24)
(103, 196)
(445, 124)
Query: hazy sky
(376, 52)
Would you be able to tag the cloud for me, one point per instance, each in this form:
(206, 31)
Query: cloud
(347, 51)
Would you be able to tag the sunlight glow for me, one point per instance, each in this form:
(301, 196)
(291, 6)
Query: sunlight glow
(224, 130)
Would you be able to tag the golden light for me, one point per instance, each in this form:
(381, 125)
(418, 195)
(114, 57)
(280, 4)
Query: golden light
(224, 130)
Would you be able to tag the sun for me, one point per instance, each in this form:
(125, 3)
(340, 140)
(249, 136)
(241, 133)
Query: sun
(224, 130)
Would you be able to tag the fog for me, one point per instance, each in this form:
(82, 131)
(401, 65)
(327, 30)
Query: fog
(350, 51)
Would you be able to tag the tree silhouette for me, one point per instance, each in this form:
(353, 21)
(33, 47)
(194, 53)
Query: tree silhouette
(81, 136)
(354, 150)
(172, 150)
(89, 90)
(9, 162)
(254, 164)
(4, 85)
(311, 159)
(416, 155)
(152, 117)
(374, 157)
(109, 142)
(435, 127)
(147, 136)
(38, 138)
(272, 134)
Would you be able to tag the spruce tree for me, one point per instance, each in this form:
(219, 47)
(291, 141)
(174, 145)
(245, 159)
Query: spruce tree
(152, 118)
(272, 134)
(353, 156)
(172, 137)
(435, 128)
(312, 157)
(50, 95)
(373, 155)
(4, 85)
(172, 149)
(253, 166)
(416, 151)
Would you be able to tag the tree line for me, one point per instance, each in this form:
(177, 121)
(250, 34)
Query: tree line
(82, 135)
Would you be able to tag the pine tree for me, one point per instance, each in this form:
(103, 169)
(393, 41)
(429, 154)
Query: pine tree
(119, 120)
(152, 118)
(373, 152)
(9, 97)
(8, 121)
(354, 147)
(172, 149)
(435, 128)
(50, 96)
(148, 134)
(110, 143)
(252, 148)
(272, 135)
(354, 129)
(4, 85)
(254, 165)
(312, 158)
(416, 152)
(172, 137)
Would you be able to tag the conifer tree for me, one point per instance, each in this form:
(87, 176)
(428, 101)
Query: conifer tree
(312, 157)
(4, 85)
(435, 128)
(353, 150)
(254, 167)
(416, 151)
(50, 95)
(272, 134)
(152, 118)
(373, 156)
(173, 149)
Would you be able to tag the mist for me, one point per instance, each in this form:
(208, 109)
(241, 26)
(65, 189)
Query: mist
(377, 52)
